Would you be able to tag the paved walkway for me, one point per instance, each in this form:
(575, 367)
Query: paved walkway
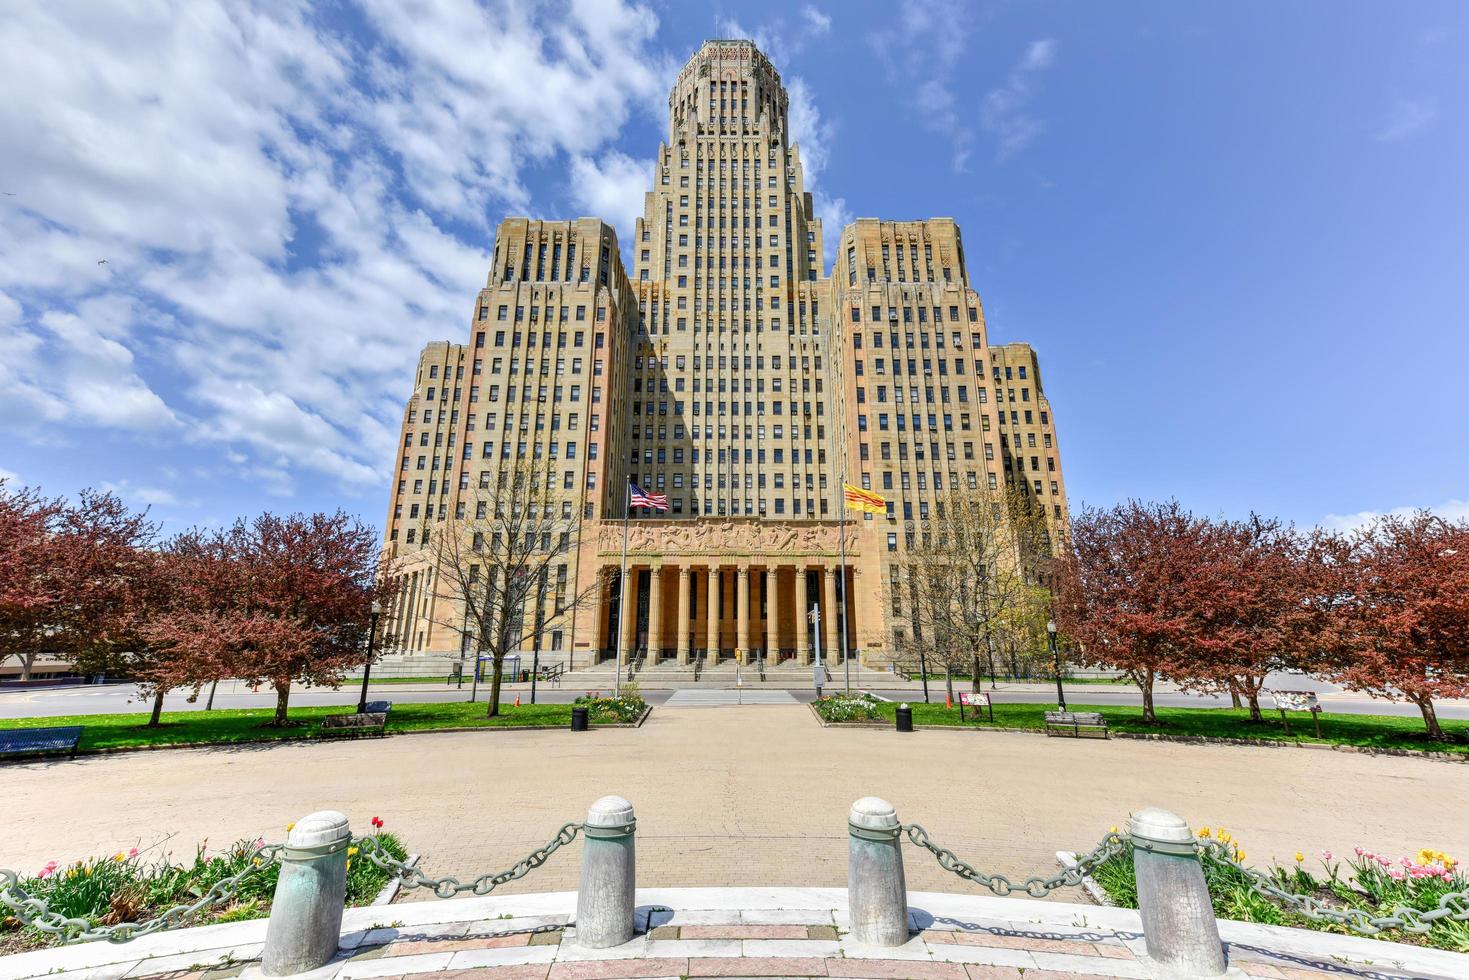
(795, 932)
(732, 796)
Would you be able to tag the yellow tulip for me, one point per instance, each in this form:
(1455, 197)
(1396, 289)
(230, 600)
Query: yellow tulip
(1300, 857)
(351, 852)
(290, 826)
(1113, 830)
(1203, 831)
(1239, 855)
(119, 857)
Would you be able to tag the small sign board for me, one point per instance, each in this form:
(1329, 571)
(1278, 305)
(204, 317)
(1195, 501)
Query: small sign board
(1296, 700)
(976, 700)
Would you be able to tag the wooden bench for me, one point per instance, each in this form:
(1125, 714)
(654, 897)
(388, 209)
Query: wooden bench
(373, 721)
(39, 741)
(1076, 724)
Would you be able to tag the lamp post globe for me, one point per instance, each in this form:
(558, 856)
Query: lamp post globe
(1056, 659)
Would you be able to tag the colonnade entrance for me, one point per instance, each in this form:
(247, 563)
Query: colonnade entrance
(683, 612)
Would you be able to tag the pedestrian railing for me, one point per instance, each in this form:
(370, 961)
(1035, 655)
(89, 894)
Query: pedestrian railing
(1179, 927)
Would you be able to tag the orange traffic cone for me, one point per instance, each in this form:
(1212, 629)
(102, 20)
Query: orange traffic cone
(949, 702)
(517, 700)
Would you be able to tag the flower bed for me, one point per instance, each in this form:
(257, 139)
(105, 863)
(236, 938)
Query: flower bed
(625, 708)
(1373, 883)
(843, 707)
(135, 886)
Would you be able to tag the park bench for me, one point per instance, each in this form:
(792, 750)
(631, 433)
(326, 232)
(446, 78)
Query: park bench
(373, 721)
(1076, 724)
(37, 741)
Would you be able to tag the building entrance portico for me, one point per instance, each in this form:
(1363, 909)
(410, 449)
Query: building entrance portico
(720, 591)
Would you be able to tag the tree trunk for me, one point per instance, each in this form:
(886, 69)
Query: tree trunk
(1254, 696)
(949, 681)
(1234, 697)
(1430, 717)
(209, 705)
(497, 672)
(282, 701)
(157, 709)
(27, 661)
(1149, 718)
(974, 675)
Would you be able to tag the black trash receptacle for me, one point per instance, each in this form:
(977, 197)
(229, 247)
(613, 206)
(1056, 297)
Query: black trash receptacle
(905, 718)
(578, 719)
(525, 677)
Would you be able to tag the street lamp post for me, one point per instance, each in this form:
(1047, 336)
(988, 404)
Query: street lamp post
(377, 609)
(1056, 657)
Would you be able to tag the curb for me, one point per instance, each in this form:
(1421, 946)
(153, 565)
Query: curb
(1451, 757)
(118, 749)
(394, 885)
(1089, 884)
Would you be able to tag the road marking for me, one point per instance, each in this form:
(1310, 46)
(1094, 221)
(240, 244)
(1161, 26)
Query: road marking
(696, 698)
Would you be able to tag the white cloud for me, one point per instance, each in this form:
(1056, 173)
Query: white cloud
(1449, 510)
(814, 135)
(921, 52)
(1407, 119)
(287, 211)
(817, 21)
(1005, 112)
(612, 189)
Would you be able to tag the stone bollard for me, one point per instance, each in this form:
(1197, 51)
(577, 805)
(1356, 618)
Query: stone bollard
(604, 903)
(1172, 898)
(876, 890)
(306, 914)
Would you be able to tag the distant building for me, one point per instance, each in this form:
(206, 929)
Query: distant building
(728, 372)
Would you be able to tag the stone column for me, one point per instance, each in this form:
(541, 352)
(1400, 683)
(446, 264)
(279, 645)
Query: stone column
(655, 613)
(711, 612)
(829, 616)
(628, 624)
(742, 615)
(803, 625)
(685, 588)
(772, 613)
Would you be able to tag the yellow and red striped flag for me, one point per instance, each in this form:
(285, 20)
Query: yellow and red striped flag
(855, 498)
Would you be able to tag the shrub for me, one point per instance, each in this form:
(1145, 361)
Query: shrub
(842, 707)
(131, 887)
(626, 708)
(1372, 883)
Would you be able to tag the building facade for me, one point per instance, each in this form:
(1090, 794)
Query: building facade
(728, 371)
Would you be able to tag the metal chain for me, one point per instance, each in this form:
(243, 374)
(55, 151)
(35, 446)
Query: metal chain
(1453, 906)
(372, 850)
(34, 912)
(1036, 887)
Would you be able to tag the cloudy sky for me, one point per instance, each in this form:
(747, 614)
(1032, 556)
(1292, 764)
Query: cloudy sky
(1237, 233)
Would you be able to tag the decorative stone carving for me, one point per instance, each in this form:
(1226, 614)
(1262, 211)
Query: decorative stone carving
(715, 537)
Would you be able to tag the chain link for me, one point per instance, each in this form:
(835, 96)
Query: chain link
(1453, 906)
(447, 887)
(1036, 887)
(34, 912)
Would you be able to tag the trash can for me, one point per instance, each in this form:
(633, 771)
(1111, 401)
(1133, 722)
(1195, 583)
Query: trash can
(905, 718)
(578, 719)
(525, 677)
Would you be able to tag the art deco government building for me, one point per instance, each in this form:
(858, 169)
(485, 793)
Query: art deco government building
(715, 360)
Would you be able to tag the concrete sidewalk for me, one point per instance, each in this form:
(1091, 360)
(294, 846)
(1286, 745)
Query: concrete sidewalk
(707, 932)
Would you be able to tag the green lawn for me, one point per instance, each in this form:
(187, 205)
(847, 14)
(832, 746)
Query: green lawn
(1374, 731)
(251, 724)
(1002, 679)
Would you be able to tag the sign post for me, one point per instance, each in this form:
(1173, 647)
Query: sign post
(818, 675)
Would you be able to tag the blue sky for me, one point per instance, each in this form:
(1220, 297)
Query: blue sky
(1238, 234)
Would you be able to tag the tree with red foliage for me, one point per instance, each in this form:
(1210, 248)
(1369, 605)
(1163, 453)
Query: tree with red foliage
(1407, 630)
(71, 575)
(1267, 598)
(30, 585)
(306, 585)
(1128, 590)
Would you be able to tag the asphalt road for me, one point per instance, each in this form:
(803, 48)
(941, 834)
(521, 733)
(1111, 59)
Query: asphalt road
(120, 698)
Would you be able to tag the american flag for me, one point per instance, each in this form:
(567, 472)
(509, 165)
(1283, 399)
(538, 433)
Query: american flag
(637, 498)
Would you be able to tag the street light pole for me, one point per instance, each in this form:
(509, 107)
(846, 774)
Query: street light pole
(1056, 658)
(377, 608)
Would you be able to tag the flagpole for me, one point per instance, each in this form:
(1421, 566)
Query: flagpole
(842, 539)
(623, 595)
